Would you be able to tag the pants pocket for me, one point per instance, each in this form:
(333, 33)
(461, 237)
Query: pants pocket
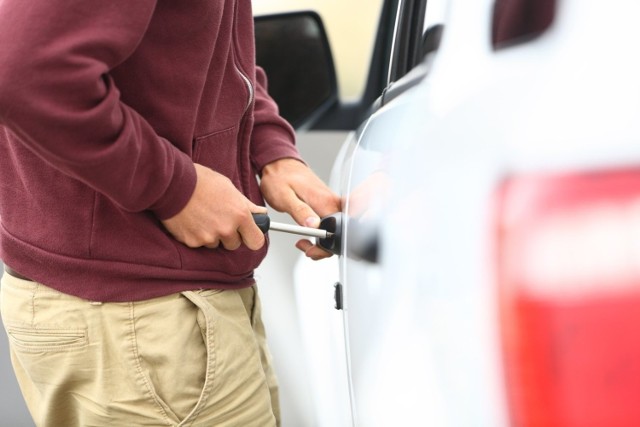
(37, 320)
(171, 354)
(42, 339)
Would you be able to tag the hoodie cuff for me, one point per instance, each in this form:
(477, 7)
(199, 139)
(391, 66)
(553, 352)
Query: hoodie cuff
(180, 189)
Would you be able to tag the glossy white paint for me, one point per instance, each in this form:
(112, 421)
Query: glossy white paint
(421, 327)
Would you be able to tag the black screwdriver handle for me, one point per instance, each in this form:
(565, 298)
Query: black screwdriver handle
(262, 221)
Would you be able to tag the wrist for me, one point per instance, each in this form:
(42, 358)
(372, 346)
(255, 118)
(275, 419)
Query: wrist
(279, 165)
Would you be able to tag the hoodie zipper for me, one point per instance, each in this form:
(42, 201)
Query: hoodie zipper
(242, 147)
(249, 88)
(244, 185)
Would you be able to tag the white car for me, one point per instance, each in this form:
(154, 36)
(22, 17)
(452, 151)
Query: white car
(490, 255)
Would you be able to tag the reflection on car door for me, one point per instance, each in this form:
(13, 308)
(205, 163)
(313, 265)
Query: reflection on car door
(379, 399)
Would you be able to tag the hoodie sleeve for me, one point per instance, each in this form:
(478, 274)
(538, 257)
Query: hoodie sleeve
(57, 96)
(273, 137)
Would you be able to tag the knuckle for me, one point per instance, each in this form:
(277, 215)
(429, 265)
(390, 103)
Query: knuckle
(255, 243)
(231, 245)
(225, 233)
(229, 237)
(192, 243)
(300, 207)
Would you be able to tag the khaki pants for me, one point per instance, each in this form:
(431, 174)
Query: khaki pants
(197, 358)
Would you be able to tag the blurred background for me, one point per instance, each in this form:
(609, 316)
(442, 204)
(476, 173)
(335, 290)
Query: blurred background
(350, 26)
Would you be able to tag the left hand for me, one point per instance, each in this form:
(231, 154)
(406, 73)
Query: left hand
(290, 186)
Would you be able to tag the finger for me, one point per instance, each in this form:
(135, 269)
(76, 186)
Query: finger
(315, 193)
(316, 253)
(231, 242)
(285, 199)
(250, 234)
(256, 208)
(312, 251)
(300, 211)
(212, 245)
(322, 200)
(304, 245)
(194, 240)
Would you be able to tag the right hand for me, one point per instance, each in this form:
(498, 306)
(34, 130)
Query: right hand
(289, 185)
(217, 213)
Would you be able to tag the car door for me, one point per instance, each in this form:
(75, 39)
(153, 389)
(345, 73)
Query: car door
(526, 118)
(382, 394)
(343, 347)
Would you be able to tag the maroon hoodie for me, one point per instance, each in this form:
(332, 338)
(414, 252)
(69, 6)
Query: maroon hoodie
(104, 108)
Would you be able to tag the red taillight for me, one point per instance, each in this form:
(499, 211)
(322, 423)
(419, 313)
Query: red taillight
(569, 285)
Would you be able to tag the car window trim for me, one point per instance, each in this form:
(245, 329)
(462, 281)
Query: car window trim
(407, 41)
(394, 41)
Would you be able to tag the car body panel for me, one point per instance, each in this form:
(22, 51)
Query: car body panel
(420, 339)
(544, 107)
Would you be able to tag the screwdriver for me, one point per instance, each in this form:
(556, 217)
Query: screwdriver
(265, 224)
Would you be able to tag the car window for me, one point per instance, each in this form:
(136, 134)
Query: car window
(418, 32)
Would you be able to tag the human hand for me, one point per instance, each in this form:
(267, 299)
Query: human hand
(289, 185)
(217, 213)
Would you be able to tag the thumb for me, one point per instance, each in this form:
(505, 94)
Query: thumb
(304, 215)
(257, 208)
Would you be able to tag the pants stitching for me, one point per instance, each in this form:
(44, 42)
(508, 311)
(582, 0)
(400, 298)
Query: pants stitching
(138, 366)
(33, 304)
(211, 361)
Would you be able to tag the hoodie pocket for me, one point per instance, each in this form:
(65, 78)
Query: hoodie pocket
(219, 151)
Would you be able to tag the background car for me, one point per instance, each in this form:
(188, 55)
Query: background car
(500, 180)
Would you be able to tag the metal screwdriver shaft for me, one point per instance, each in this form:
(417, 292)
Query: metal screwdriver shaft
(303, 231)
(265, 224)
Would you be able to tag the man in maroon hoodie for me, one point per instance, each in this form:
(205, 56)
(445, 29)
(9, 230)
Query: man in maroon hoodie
(131, 135)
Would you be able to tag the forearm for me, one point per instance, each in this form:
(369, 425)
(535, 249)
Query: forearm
(56, 94)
